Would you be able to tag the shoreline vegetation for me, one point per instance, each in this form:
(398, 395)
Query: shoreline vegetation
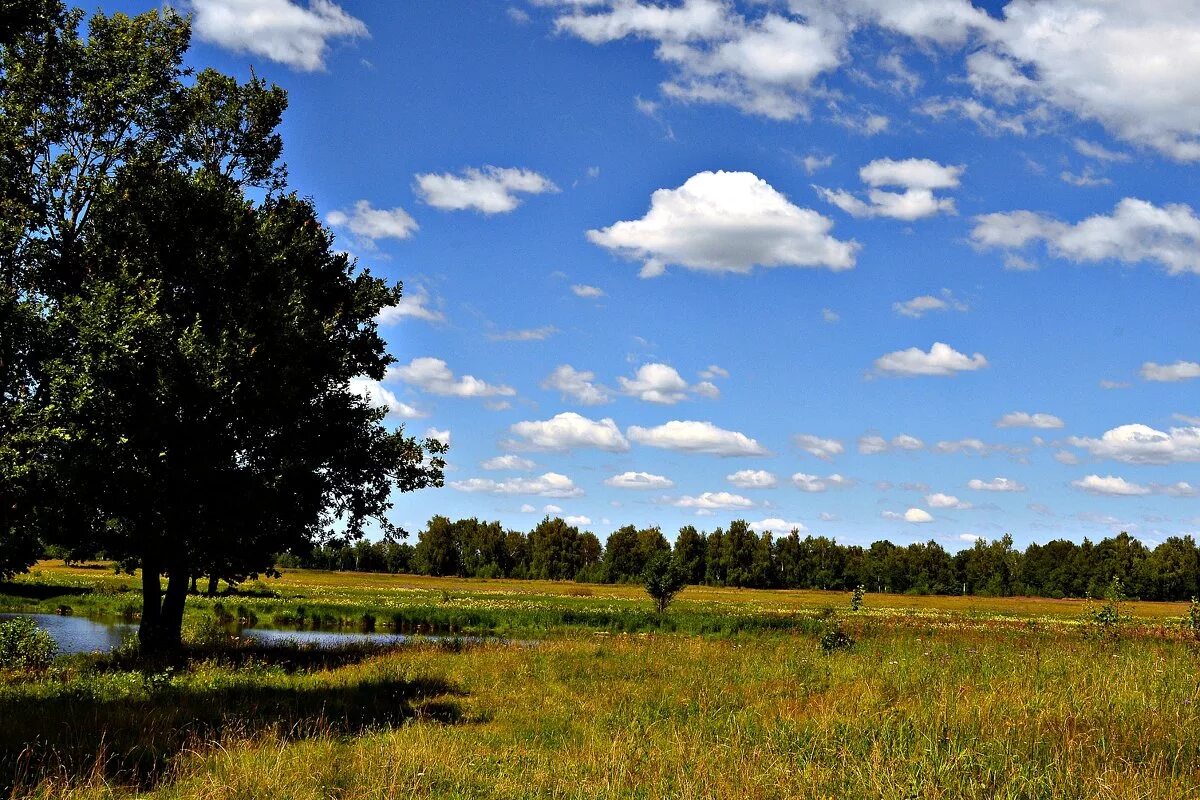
(933, 696)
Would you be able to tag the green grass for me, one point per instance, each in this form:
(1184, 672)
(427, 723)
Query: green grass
(988, 700)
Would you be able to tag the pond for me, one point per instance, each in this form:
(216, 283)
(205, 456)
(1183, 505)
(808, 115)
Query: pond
(83, 635)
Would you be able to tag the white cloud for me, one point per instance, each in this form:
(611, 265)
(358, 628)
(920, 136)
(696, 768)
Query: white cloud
(824, 449)
(587, 292)
(1181, 489)
(490, 190)
(374, 223)
(1135, 232)
(1066, 457)
(778, 526)
(830, 316)
(752, 479)
(527, 509)
(662, 384)
(969, 446)
(1110, 485)
(577, 520)
(569, 430)
(551, 484)
(639, 480)
(279, 30)
(916, 516)
(508, 462)
(1097, 151)
(712, 372)
(689, 436)
(872, 444)
(813, 164)
(826, 516)
(578, 385)
(410, 306)
(995, 485)
(552, 509)
(712, 501)
(918, 178)
(1023, 419)
(940, 500)
(1107, 384)
(377, 395)
(726, 222)
(918, 307)
(906, 442)
(524, 334)
(1141, 444)
(942, 359)
(1103, 61)
(1170, 373)
(815, 483)
(1187, 419)
(434, 376)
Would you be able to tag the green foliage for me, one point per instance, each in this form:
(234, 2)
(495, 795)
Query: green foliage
(1104, 620)
(856, 600)
(835, 638)
(1194, 616)
(25, 646)
(663, 578)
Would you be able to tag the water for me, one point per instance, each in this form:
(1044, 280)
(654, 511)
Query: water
(83, 635)
(80, 634)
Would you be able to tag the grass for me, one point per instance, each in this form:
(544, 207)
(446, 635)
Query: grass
(938, 698)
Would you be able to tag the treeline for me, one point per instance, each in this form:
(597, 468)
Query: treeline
(738, 556)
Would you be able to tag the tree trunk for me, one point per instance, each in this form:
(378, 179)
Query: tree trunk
(161, 629)
(213, 580)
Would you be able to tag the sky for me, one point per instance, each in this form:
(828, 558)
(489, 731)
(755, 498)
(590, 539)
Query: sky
(904, 269)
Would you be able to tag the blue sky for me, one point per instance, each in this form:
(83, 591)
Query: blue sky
(907, 270)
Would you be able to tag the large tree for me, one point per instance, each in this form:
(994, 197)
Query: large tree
(186, 401)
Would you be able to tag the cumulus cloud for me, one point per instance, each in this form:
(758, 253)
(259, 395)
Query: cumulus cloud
(1110, 485)
(919, 306)
(995, 485)
(1141, 444)
(577, 385)
(639, 480)
(917, 179)
(1170, 373)
(1023, 419)
(777, 526)
(376, 394)
(432, 375)
(569, 431)
(713, 501)
(752, 479)
(824, 449)
(969, 446)
(370, 224)
(490, 190)
(874, 444)
(916, 516)
(726, 222)
(815, 483)
(508, 462)
(280, 30)
(442, 435)
(662, 384)
(1136, 231)
(411, 306)
(942, 359)
(690, 436)
(940, 500)
(551, 484)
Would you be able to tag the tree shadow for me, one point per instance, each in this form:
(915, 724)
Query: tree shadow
(41, 591)
(133, 741)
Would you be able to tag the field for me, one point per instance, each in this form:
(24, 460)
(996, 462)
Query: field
(730, 696)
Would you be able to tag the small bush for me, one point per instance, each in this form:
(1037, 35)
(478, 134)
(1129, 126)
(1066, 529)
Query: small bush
(23, 645)
(663, 580)
(835, 638)
(1194, 616)
(856, 600)
(1104, 620)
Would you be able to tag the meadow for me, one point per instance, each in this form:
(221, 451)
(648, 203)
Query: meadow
(590, 694)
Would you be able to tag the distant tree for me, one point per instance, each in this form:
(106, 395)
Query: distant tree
(691, 548)
(663, 578)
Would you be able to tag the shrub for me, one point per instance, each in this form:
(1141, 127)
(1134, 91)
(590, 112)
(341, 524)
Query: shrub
(1104, 620)
(1194, 616)
(835, 638)
(856, 601)
(23, 645)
